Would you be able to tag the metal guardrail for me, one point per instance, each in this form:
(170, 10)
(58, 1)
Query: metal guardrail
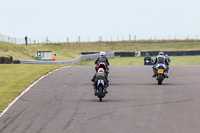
(70, 62)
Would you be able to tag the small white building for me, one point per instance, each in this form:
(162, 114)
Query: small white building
(44, 55)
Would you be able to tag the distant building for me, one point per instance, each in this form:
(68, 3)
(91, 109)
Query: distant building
(44, 55)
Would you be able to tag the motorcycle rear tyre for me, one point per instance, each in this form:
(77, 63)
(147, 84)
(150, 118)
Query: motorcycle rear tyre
(100, 93)
(160, 79)
(159, 82)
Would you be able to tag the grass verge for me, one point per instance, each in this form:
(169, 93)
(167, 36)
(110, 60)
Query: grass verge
(16, 78)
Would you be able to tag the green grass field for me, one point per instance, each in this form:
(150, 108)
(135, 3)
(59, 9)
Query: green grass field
(69, 51)
(15, 78)
(175, 60)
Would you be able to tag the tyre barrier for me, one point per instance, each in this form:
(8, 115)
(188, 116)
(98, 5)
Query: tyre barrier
(152, 53)
(172, 53)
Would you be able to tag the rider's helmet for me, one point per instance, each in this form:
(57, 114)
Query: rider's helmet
(161, 53)
(147, 54)
(100, 70)
(102, 53)
(166, 55)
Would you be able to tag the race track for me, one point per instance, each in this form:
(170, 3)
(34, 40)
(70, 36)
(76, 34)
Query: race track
(63, 102)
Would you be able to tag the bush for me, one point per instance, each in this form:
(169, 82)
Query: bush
(16, 62)
(6, 60)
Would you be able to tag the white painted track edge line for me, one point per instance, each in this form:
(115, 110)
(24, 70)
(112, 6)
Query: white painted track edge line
(27, 89)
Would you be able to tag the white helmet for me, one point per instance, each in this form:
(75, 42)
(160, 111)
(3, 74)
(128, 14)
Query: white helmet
(102, 53)
(161, 53)
(100, 70)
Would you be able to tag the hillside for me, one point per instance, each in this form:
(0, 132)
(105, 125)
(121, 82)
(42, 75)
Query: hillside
(67, 51)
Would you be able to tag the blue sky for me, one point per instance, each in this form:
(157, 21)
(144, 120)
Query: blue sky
(59, 19)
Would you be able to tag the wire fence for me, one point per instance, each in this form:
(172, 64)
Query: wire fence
(79, 39)
(15, 40)
(5, 38)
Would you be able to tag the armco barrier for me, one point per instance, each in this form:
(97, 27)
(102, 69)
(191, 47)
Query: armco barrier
(70, 62)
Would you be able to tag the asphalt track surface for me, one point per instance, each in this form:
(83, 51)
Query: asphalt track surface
(63, 102)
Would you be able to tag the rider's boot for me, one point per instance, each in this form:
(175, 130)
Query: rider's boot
(166, 76)
(154, 71)
(95, 90)
(154, 75)
(105, 89)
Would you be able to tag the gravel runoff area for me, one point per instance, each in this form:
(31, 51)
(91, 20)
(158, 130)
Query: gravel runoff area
(63, 102)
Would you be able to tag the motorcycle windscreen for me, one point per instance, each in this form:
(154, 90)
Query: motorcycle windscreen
(100, 81)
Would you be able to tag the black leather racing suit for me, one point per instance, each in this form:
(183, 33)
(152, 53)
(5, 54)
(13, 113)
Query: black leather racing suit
(101, 59)
(98, 76)
(147, 58)
(167, 58)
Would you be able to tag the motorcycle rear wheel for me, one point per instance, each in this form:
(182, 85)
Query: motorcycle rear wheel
(160, 79)
(100, 93)
(159, 82)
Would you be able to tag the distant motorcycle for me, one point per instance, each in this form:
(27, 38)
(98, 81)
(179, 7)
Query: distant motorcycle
(148, 62)
(104, 66)
(160, 73)
(100, 89)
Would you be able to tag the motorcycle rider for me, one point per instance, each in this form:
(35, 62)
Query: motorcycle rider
(102, 58)
(147, 57)
(167, 58)
(160, 59)
(100, 75)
